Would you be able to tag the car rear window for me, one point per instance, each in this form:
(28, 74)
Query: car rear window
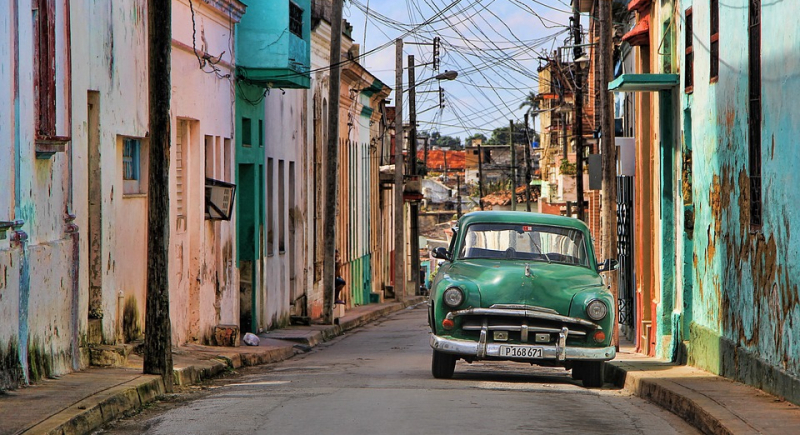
(524, 242)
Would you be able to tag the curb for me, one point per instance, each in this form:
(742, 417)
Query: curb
(696, 409)
(93, 412)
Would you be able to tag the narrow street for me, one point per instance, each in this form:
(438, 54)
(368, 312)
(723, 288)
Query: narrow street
(377, 380)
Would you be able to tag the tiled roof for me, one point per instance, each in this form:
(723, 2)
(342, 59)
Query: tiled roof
(503, 197)
(455, 159)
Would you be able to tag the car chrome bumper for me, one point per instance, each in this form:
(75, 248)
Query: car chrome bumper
(482, 350)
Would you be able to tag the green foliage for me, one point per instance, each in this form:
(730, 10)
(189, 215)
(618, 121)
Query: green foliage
(438, 140)
(567, 168)
(500, 135)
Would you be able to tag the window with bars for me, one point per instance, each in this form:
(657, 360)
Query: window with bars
(754, 76)
(688, 80)
(182, 138)
(295, 19)
(714, 48)
(45, 64)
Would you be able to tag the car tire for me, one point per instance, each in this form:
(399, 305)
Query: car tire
(443, 365)
(592, 373)
(577, 371)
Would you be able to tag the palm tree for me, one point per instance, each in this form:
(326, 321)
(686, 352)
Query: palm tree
(532, 102)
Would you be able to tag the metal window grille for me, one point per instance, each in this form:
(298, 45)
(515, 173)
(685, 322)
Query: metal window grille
(180, 154)
(689, 67)
(295, 19)
(754, 62)
(714, 49)
(130, 159)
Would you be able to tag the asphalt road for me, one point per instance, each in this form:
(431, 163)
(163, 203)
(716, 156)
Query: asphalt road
(377, 380)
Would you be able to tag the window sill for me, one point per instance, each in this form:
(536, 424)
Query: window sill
(133, 195)
(47, 146)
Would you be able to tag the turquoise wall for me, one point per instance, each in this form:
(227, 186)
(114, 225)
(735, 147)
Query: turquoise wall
(745, 307)
(267, 52)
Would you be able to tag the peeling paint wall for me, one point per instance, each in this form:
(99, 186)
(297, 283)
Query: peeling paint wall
(203, 274)
(285, 139)
(745, 303)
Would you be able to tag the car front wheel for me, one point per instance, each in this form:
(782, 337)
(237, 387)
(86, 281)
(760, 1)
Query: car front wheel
(592, 373)
(443, 365)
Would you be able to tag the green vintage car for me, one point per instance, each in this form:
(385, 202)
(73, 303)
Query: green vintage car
(521, 287)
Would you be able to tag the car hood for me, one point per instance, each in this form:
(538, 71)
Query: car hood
(549, 285)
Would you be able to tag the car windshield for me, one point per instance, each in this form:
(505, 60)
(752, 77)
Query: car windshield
(525, 242)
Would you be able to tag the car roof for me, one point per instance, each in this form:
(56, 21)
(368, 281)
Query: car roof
(522, 217)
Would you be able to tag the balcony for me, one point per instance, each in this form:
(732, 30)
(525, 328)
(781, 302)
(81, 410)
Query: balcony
(273, 42)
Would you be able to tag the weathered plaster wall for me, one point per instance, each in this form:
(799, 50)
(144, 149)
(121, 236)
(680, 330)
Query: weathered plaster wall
(746, 307)
(285, 139)
(203, 278)
(109, 58)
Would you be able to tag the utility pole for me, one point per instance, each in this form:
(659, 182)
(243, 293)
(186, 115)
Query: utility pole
(427, 138)
(609, 154)
(458, 196)
(412, 169)
(577, 127)
(332, 166)
(157, 326)
(480, 175)
(399, 222)
(513, 165)
(527, 167)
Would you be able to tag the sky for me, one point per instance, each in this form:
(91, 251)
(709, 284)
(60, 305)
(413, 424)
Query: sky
(495, 45)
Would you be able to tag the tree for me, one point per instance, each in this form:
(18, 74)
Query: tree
(440, 141)
(532, 102)
(500, 135)
(481, 136)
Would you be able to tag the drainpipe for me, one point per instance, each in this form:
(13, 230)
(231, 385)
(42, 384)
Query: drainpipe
(71, 229)
(20, 238)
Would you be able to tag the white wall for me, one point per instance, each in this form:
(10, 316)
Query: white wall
(203, 276)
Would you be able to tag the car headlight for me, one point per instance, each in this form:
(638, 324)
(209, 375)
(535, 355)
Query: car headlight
(453, 297)
(596, 310)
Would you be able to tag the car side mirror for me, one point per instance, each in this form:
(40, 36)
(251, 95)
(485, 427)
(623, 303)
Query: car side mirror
(441, 253)
(608, 265)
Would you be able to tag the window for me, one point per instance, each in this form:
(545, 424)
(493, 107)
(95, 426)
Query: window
(130, 159)
(181, 140)
(247, 132)
(525, 242)
(688, 78)
(295, 19)
(45, 64)
(754, 63)
(714, 48)
(281, 208)
(131, 166)
(270, 206)
(261, 132)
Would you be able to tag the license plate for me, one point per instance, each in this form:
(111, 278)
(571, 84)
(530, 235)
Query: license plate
(520, 351)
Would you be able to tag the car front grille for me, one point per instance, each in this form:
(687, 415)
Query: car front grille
(524, 324)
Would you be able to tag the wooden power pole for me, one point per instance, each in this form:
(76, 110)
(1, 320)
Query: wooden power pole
(412, 169)
(577, 130)
(157, 327)
(609, 152)
(513, 165)
(332, 166)
(527, 167)
(399, 222)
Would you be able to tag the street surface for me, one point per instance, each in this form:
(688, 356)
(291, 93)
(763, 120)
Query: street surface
(377, 380)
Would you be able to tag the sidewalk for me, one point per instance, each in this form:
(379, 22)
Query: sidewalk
(81, 402)
(713, 404)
